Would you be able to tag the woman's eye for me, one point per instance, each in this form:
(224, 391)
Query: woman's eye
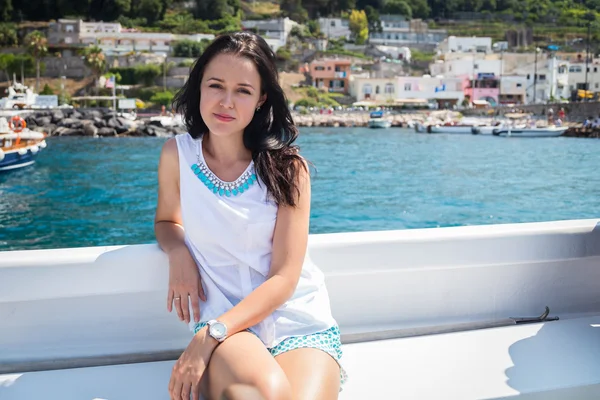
(244, 91)
(215, 86)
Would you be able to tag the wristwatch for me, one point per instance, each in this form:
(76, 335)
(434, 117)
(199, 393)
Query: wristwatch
(217, 330)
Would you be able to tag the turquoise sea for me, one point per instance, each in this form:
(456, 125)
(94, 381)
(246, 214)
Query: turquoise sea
(91, 192)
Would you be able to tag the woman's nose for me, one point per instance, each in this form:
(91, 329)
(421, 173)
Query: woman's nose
(227, 100)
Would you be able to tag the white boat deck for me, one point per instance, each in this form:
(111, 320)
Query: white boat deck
(552, 360)
(76, 304)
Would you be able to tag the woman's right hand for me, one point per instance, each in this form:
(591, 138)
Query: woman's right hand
(184, 283)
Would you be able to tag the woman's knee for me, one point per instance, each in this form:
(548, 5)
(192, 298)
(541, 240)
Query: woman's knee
(273, 385)
(239, 391)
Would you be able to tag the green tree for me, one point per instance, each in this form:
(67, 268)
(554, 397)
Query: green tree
(359, 26)
(373, 20)
(6, 9)
(189, 48)
(314, 28)
(397, 7)
(94, 59)
(109, 10)
(488, 5)
(151, 10)
(294, 10)
(8, 35)
(37, 47)
(6, 59)
(419, 8)
(147, 73)
(47, 90)
(212, 9)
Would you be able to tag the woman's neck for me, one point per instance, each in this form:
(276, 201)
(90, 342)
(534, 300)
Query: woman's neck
(226, 150)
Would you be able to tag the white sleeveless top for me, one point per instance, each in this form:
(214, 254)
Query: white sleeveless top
(231, 240)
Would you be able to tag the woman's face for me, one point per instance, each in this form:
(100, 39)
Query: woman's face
(230, 94)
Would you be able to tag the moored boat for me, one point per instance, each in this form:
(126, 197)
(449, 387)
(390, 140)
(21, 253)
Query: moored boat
(537, 132)
(19, 146)
(377, 120)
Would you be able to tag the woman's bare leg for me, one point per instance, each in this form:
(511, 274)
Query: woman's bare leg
(313, 374)
(244, 359)
(241, 392)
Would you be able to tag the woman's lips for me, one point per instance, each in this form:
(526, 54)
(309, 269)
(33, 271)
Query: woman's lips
(224, 117)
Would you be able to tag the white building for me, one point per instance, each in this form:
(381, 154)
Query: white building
(458, 44)
(113, 39)
(274, 31)
(446, 91)
(513, 89)
(552, 80)
(467, 65)
(577, 75)
(375, 89)
(334, 28)
(397, 31)
(126, 42)
(396, 53)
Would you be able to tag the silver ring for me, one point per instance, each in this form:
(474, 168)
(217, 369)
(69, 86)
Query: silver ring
(177, 298)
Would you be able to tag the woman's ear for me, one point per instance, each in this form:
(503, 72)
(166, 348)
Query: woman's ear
(262, 100)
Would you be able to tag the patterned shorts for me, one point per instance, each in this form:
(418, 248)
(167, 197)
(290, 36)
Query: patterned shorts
(329, 341)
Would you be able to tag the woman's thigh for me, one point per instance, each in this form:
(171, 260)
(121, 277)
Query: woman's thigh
(244, 359)
(312, 373)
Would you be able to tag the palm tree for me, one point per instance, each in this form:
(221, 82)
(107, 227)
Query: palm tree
(37, 46)
(94, 59)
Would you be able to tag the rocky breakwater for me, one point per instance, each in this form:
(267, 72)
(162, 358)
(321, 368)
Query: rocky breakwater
(581, 132)
(96, 123)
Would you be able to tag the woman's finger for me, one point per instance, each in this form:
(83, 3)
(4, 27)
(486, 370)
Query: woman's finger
(185, 391)
(177, 302)
(171, 384)
(201, 289)
(170, 295)
(196, 391)
(177, 390)
(185, 307)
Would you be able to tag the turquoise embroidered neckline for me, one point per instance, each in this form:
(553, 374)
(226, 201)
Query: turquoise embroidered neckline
(222, 188)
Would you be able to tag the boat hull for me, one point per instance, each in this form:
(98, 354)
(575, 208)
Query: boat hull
(531, 132)
(13, 160)
(459, 129)
(379, 124)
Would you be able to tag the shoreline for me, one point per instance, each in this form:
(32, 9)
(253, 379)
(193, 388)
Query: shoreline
(106, 123)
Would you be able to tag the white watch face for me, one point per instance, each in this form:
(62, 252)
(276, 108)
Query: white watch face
(218, 329)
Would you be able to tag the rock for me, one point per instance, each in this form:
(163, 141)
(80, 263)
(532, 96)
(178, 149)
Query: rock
(76, 115)
(30, 121)
(121, 129)
(43, 121)
(112, 123)
(107, 132)
(99, 122)
(91, 114)
(47, 129)
(109, 115)
(71, 123)
(64, 131)
(157, 131)
(57, 116)
(90, 129)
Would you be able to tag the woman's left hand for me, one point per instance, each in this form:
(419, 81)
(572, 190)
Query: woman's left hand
(189, 368)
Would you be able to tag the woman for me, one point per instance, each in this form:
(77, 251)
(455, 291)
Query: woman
(233, 217)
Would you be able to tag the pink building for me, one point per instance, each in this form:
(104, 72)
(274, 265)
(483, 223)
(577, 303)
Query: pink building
(332, 74)
(483, 87)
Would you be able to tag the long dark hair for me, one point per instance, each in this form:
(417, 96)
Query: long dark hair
(271, 133)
